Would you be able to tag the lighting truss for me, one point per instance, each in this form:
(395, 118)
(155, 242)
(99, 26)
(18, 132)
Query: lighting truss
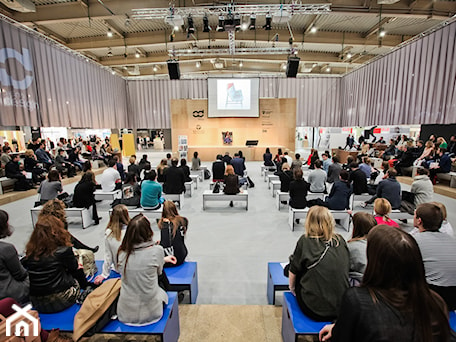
(200, 11)
(232, 42)
(243, 51)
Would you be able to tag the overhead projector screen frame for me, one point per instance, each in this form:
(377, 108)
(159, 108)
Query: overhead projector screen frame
(233, 97)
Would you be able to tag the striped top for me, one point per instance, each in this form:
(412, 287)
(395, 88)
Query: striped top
(439, 257)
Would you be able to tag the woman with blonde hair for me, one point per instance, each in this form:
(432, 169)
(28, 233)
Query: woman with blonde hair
(173, 228)
(114, 233)
(319, 266)
(382, 208)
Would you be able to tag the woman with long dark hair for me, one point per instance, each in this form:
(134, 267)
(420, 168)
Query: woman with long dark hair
(56, 208)
(394, 302)
(84, 195)
(173, 228)
(140, 261)
(55, 276)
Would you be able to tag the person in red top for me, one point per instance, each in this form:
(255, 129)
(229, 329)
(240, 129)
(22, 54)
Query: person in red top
(382, 208)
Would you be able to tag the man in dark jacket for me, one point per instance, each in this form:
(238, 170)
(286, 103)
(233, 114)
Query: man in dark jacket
(443, 166)
(174, 179)
(218, 169)
(43, 157)
(238, 165)
(12, 171)
(390, 189)
(358, 178)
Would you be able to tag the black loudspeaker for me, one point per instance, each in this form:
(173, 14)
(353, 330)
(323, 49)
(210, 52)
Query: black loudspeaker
(173, 70)
(292, 66)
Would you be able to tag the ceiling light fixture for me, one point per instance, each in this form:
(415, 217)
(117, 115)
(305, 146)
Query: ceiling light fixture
(381, 32)
(241, 64)
(349, 55)
(244, 26)
(109, 33)
(155, 69)
(328, 69)
(198, 64)
(176, 28)
(283, 66)
(313, 29)
(137, 54)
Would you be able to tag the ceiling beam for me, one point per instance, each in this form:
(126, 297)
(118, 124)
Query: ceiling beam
(311, 57)
(114, 29)
(73, 11)
(157, 37)
(377, 26)
(47, 32)
(312, 23)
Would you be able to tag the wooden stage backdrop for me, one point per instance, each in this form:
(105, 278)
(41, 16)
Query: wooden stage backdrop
(274, 128)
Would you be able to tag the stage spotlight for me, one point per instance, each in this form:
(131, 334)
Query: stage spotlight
(221, 24)
(191, 28)
(267, 26)
(206, 27)
(252, 22)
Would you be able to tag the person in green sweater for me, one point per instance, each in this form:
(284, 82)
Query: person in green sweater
(319, 267)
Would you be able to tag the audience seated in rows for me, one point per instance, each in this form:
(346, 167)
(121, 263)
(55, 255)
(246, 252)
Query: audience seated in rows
(13, 171)
(297, 163)
(133, 167)
(238, 164)
(422, 187)
(390, 189)
(358, 179)
(161, 170)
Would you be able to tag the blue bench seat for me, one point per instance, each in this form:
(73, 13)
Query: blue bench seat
(276, 281)
(294, 322)
(181, 278)
(167, 328)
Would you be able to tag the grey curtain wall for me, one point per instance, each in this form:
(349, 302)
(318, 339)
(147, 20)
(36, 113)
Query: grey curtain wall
(415, 84)
(149, 100)
(317, 98)
(55, 87)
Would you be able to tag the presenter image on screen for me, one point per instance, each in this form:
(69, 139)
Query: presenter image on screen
(233, 94)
